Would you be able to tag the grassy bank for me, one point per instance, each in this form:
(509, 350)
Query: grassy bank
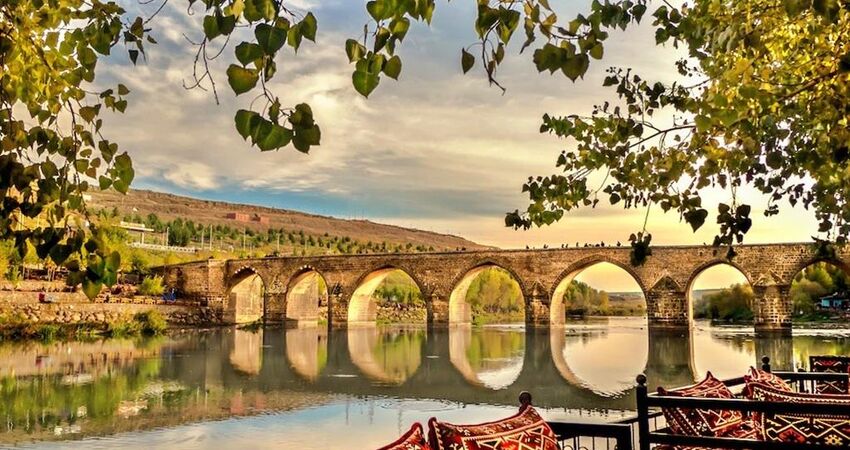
(148, 323)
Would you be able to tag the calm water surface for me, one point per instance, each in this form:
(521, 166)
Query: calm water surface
(311, 389)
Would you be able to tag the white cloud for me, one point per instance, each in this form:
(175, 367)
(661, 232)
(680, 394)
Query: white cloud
(436, 149)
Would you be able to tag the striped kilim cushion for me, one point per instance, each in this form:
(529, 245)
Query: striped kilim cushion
(523, 431)
(701, 422)
(414, 439)
(834, 364)
(824, 429)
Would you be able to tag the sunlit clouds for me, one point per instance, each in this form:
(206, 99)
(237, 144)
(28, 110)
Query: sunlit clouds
(436, 150)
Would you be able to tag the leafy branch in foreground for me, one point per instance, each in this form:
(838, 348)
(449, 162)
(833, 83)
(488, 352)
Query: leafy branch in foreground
(767, 109)
(765, 106)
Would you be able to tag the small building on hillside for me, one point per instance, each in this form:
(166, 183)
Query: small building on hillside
(839, 301)
(260, 219)
(239, 217)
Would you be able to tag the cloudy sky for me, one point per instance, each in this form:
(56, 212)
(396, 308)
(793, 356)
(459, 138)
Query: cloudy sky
(436, 150)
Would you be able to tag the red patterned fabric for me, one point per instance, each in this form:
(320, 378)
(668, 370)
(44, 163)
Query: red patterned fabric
(414, 439)
(765, 379)
(523, 431)
(833, 364)
(701, 422)
(824, 429)
(747, 430)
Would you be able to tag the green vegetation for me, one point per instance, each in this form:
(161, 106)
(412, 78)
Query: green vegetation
(495, 297)
(811, 284)
(399, 288)
(148, 323)
(580, 299)
(151, 286)
(768, 112)
(733, 304)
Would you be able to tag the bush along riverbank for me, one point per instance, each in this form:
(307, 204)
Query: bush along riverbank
(147, 323)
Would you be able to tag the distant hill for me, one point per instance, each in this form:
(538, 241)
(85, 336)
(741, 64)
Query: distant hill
(169, 206)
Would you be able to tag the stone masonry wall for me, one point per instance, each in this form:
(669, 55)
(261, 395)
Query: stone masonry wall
(66, 313)
(665, 278)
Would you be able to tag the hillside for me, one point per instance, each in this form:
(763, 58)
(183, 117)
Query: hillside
(169, 207)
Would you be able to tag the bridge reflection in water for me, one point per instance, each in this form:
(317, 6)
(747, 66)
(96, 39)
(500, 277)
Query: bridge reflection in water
(205, 375)
(589, 367)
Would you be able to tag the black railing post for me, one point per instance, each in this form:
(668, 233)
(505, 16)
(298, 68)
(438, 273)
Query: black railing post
(524, 400)
(765, 363)
(643, 413)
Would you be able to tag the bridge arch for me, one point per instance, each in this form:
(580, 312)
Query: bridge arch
(362, 307)
(806, 263)
(557, 304)
(306, 291)
(719, 274)
(460, 311)
(245, 300)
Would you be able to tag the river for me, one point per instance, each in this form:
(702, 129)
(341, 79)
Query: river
(359, 388)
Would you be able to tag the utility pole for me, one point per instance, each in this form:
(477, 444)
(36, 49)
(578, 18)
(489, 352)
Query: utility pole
(243, 239)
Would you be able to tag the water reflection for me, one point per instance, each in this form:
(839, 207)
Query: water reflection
(380, 378)
(245, 353)
(491, 357)
(388, 355)
(307, 351)
(602, 355)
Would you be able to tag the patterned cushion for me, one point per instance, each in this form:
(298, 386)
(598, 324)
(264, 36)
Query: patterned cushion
(525, 430)
(701, 422)
(747, 430)
(414, 439)
(765, 379)
(834, 364)
(824, 429)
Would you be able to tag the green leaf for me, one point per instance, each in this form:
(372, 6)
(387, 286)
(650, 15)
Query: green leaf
(364, 82)
(596, 51)
(466, 60)
(575, 66)
(91, 288)
(703, 123)
(211, 30)
(246, 121)
(248, 52)
(259, 9)
(393, 67)
(379, 9)
(88, 113)
(309, 27)
(269, 38)
(399, 27)
(696, 218)
(305, 137)
(241, 79)
(354, 50)
(122, 90)
(271, 136)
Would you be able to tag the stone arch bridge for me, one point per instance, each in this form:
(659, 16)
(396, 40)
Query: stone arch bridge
(290, 285)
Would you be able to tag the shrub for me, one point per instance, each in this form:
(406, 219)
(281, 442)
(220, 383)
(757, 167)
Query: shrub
(151, 322)
(122, 328)
(152, 286)
(47, 332)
